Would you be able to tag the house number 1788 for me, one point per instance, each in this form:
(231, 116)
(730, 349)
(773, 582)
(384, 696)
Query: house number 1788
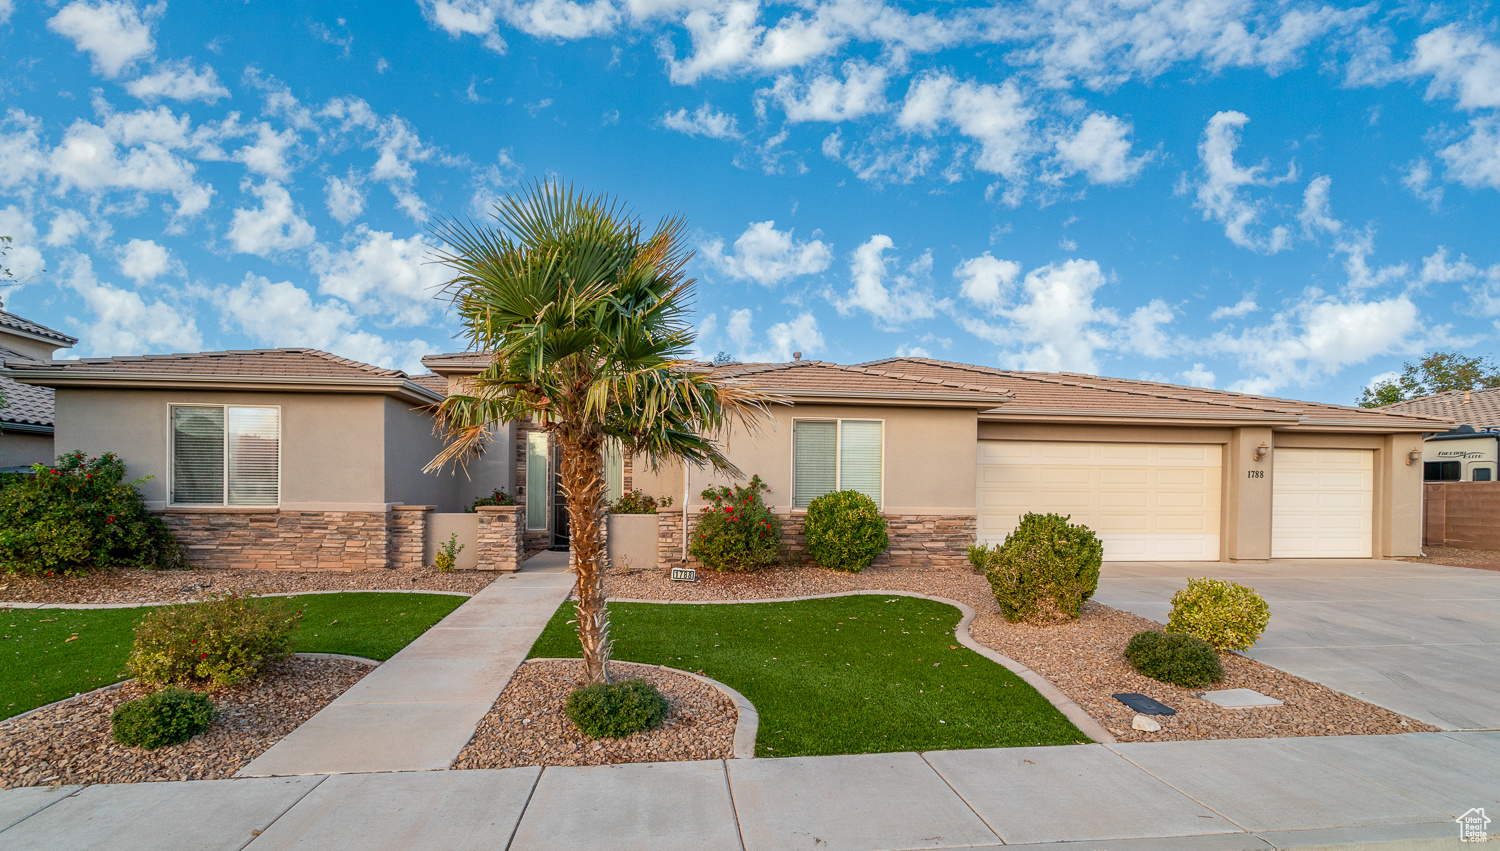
(1255, 474)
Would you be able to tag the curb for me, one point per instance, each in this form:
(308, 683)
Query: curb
(746, 724)
(1085, 722)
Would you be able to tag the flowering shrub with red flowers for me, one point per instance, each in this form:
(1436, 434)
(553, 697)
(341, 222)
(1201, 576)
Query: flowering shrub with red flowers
(737, 531)
(78, 515)
(213, 644)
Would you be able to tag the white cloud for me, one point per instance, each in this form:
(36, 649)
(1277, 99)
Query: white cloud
(178, 81)
(908, 351)
(1219, 195)
(799, 334)
(768, 256)
(1241, 308)
(994, 116)
(1475, 161)
(466, 17)
(344, 198)
(1462, 65)
(6, 8)
(143, 261)
(492, 180)
(703, 121)
(266, 155)
(1482, 284)
(1317, 214)
(66, 227)
(114, 34)
(891, 301)
(723, 39)
(827, 98)
(1101, 150)
(283, 314)
(24, 259)
(1055, 321)
(1198, 376)
(90, 158)
(986, 281)
(1418, 181)
(126, 324)
(382, 275)
(271, 228)
(1142, 330)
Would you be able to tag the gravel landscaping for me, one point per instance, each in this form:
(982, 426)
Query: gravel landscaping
(1455, 557)
(70, 743)
(126, 585)
(527, 725)
(1084, 659)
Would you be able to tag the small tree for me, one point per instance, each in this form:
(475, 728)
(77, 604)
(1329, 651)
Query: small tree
(1439, 372)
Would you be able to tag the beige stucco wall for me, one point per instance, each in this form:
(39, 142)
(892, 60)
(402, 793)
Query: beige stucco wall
(929, 458)
(20, 449)
(331, 444)
(409, 445)
(25, 345)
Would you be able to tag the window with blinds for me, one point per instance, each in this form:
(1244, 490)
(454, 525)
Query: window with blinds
(226, 455)
(614, 470)
(536, 480)
(832, 455)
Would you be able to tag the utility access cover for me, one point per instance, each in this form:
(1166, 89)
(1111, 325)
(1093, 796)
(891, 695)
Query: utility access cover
(1144, 705)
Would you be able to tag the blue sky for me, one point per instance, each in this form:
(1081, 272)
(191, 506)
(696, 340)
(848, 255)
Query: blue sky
(1284, 198)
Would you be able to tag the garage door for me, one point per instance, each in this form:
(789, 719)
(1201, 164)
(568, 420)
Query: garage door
(1322, 503)
(1147, 502)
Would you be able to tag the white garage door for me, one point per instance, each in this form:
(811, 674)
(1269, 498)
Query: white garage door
(1147, 502)
(1322, 503)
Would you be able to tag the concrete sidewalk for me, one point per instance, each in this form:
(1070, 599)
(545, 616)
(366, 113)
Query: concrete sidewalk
(1388, 792)
(417, 710)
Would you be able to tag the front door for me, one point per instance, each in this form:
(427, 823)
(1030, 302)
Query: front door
(559, 503)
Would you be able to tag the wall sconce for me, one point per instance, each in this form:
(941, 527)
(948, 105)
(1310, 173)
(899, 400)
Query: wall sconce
(1260, 452)
(1413, 456)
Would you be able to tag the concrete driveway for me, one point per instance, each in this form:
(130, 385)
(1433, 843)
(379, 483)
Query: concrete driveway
(1422, 640)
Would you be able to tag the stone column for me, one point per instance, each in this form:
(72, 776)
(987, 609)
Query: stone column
(406, 536)
(500, 537)
(668, 537)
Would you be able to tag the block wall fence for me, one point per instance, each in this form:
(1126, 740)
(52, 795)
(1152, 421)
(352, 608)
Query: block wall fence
(1461, 514)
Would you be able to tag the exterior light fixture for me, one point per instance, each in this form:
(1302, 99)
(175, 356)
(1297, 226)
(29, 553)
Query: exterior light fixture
(1260, 452)
(1413, 456)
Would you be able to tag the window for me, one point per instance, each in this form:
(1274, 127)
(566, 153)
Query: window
(832, 455)
(1442, 471)
(536, 480)
(614, 470)
(1484, 474)
(226, 455)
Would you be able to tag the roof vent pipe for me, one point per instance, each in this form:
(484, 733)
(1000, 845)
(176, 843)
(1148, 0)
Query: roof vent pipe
(796, 356)
(1468, 396)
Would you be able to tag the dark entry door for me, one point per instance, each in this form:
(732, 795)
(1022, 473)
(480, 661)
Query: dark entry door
(559, 502)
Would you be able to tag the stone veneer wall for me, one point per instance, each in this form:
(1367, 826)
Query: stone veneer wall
(282, 540)
(917, 540)
(407, 536)
(501, 537)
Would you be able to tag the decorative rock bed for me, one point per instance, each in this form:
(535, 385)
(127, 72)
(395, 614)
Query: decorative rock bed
(69, 743)
(127, 585)
(527, 725)
(1083, 659)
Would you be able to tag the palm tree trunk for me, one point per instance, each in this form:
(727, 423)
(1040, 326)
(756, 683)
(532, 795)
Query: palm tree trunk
(583, 485)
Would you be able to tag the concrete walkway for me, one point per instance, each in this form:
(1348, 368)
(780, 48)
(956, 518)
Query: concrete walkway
(1387, 792)
(417, 710)
(1419, 639)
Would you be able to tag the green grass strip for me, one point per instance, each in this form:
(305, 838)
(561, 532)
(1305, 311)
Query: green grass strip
(41, 661)
(859, 674)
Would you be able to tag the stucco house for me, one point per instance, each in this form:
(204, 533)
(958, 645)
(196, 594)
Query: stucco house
(26, 421)
(294, 457)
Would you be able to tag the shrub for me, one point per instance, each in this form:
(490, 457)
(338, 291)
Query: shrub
(167, 717)
(737, 531)
(447, 554)
(638, 502)
(1045, 570)
(216, 643)
(79, 515)
(615, 710)
(1225, 614)
(1174, 658)
(980, 556)
(498, 497)
(845, 531)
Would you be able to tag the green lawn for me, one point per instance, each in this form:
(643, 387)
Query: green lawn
(42, 662)
(860, 674)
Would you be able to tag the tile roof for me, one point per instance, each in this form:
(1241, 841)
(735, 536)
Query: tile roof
(256, 363)
(25, 404)
(436, 383)
(835, 380)
(26, 326)
(1478, 408)
(1071, 394)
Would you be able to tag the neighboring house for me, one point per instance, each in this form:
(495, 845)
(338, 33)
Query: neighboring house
(293, 457)
(26, 419)
(1470, 452)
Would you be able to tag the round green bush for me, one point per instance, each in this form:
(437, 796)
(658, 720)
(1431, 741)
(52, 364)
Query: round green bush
(616, 710)
(1225, 614)
(845, 531)
(167, 717)
(1171, 657)
(216, 643)
(737, 531)
(1045, 570)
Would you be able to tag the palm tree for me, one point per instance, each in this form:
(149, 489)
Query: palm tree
(581, 314)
